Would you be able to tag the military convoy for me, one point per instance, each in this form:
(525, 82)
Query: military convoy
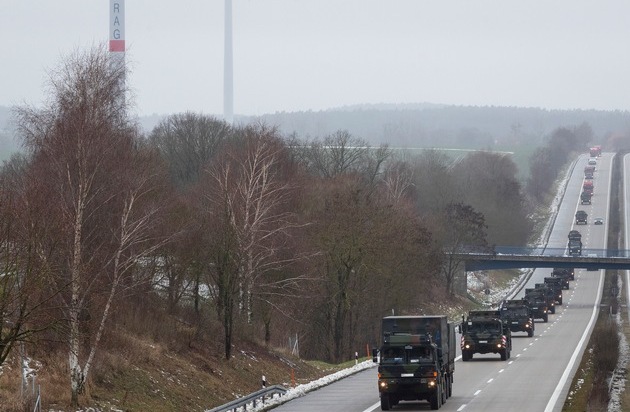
(417, 360)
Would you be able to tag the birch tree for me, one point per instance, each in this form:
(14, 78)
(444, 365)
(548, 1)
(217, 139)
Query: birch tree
(103, 189)
(247, 197)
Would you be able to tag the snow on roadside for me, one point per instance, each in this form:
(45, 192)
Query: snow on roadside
(617, 383)
(303, 389)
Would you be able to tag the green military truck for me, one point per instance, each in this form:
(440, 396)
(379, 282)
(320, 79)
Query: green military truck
(539, 304)
(563, 274)
(483, 331)
(555, 284)
(417, 360)
(518, 316)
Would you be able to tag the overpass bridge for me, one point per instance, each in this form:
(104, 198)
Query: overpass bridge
(522, 257)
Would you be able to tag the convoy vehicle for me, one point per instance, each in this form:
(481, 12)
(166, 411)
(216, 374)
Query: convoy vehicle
(581, 217)
(598, 221)
(588, 187)
(483, 331)
(589, 172)
(553, 290)
(417, 360)
(595, 151)
(592, 161)
(556, 284)
(575, 243)
(537, 304)
(585, 198)
(547, 294)
(564, 273)
(517, 314)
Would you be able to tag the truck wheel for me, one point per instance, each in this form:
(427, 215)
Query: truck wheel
(435, 400)
(385, 404)
(553, 309)
(546, 318)
(530, 333)
(444, 391)
(504, 354)
(560, 301)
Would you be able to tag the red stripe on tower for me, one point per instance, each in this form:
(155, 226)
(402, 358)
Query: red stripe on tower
(116, 45)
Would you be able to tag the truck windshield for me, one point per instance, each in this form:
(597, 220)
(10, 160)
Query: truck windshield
(420, 355)
(392, 355)
(483, 327)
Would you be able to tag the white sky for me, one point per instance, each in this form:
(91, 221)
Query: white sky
(315, 54)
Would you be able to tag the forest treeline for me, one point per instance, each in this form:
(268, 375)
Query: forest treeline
(240, 232)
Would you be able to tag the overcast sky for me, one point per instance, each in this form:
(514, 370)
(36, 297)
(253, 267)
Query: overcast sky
(294, 55)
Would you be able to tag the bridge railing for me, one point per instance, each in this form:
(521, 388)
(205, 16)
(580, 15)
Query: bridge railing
(540, 251)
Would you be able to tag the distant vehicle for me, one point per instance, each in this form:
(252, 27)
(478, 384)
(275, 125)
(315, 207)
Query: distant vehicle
(598, 221)
(568, 273)
(585, 198)
(588, 187)
(580, 217)
(592, 161)
(595, 151)
(589, 172)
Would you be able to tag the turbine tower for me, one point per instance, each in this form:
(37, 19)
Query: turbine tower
(228, 82)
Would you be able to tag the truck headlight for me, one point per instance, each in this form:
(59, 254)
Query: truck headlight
(382, 384)
(431, 383)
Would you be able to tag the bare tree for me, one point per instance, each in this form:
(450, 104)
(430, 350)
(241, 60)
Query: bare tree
(464, 231)
(103, 189)
(25, 299)
(188, 141)
(247, 194)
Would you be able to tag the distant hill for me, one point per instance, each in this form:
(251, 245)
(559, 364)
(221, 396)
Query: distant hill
(428, 125)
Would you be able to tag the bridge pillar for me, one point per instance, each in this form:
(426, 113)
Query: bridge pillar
(460, 281)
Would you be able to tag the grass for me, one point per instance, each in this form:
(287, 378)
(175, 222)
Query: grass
(142, 366)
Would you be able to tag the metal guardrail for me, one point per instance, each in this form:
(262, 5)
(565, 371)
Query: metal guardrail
(254, 399)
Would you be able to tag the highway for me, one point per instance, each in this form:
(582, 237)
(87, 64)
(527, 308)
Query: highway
(539, 373)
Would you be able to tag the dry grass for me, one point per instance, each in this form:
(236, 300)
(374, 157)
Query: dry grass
(152, 361)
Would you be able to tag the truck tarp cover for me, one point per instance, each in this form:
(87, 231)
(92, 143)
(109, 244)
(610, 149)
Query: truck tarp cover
(436, 326)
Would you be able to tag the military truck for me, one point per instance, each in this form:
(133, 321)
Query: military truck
(575, 243)
(555, 284)
(518, 315)
(585, 198)
(581, 217)
(537, 304)
(545, 293)
(588, 187)
(417, 360)
(553, 291)
(589, 172)
(565, 274)
(483, 331)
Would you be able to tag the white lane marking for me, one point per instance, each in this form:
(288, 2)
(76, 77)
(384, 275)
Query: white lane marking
(536, 339)
(371, 408)
(511, 362)
(531, 343)
(477, 393)
(502, 369)
(524, 349)
(490, 380)
(461, 408)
